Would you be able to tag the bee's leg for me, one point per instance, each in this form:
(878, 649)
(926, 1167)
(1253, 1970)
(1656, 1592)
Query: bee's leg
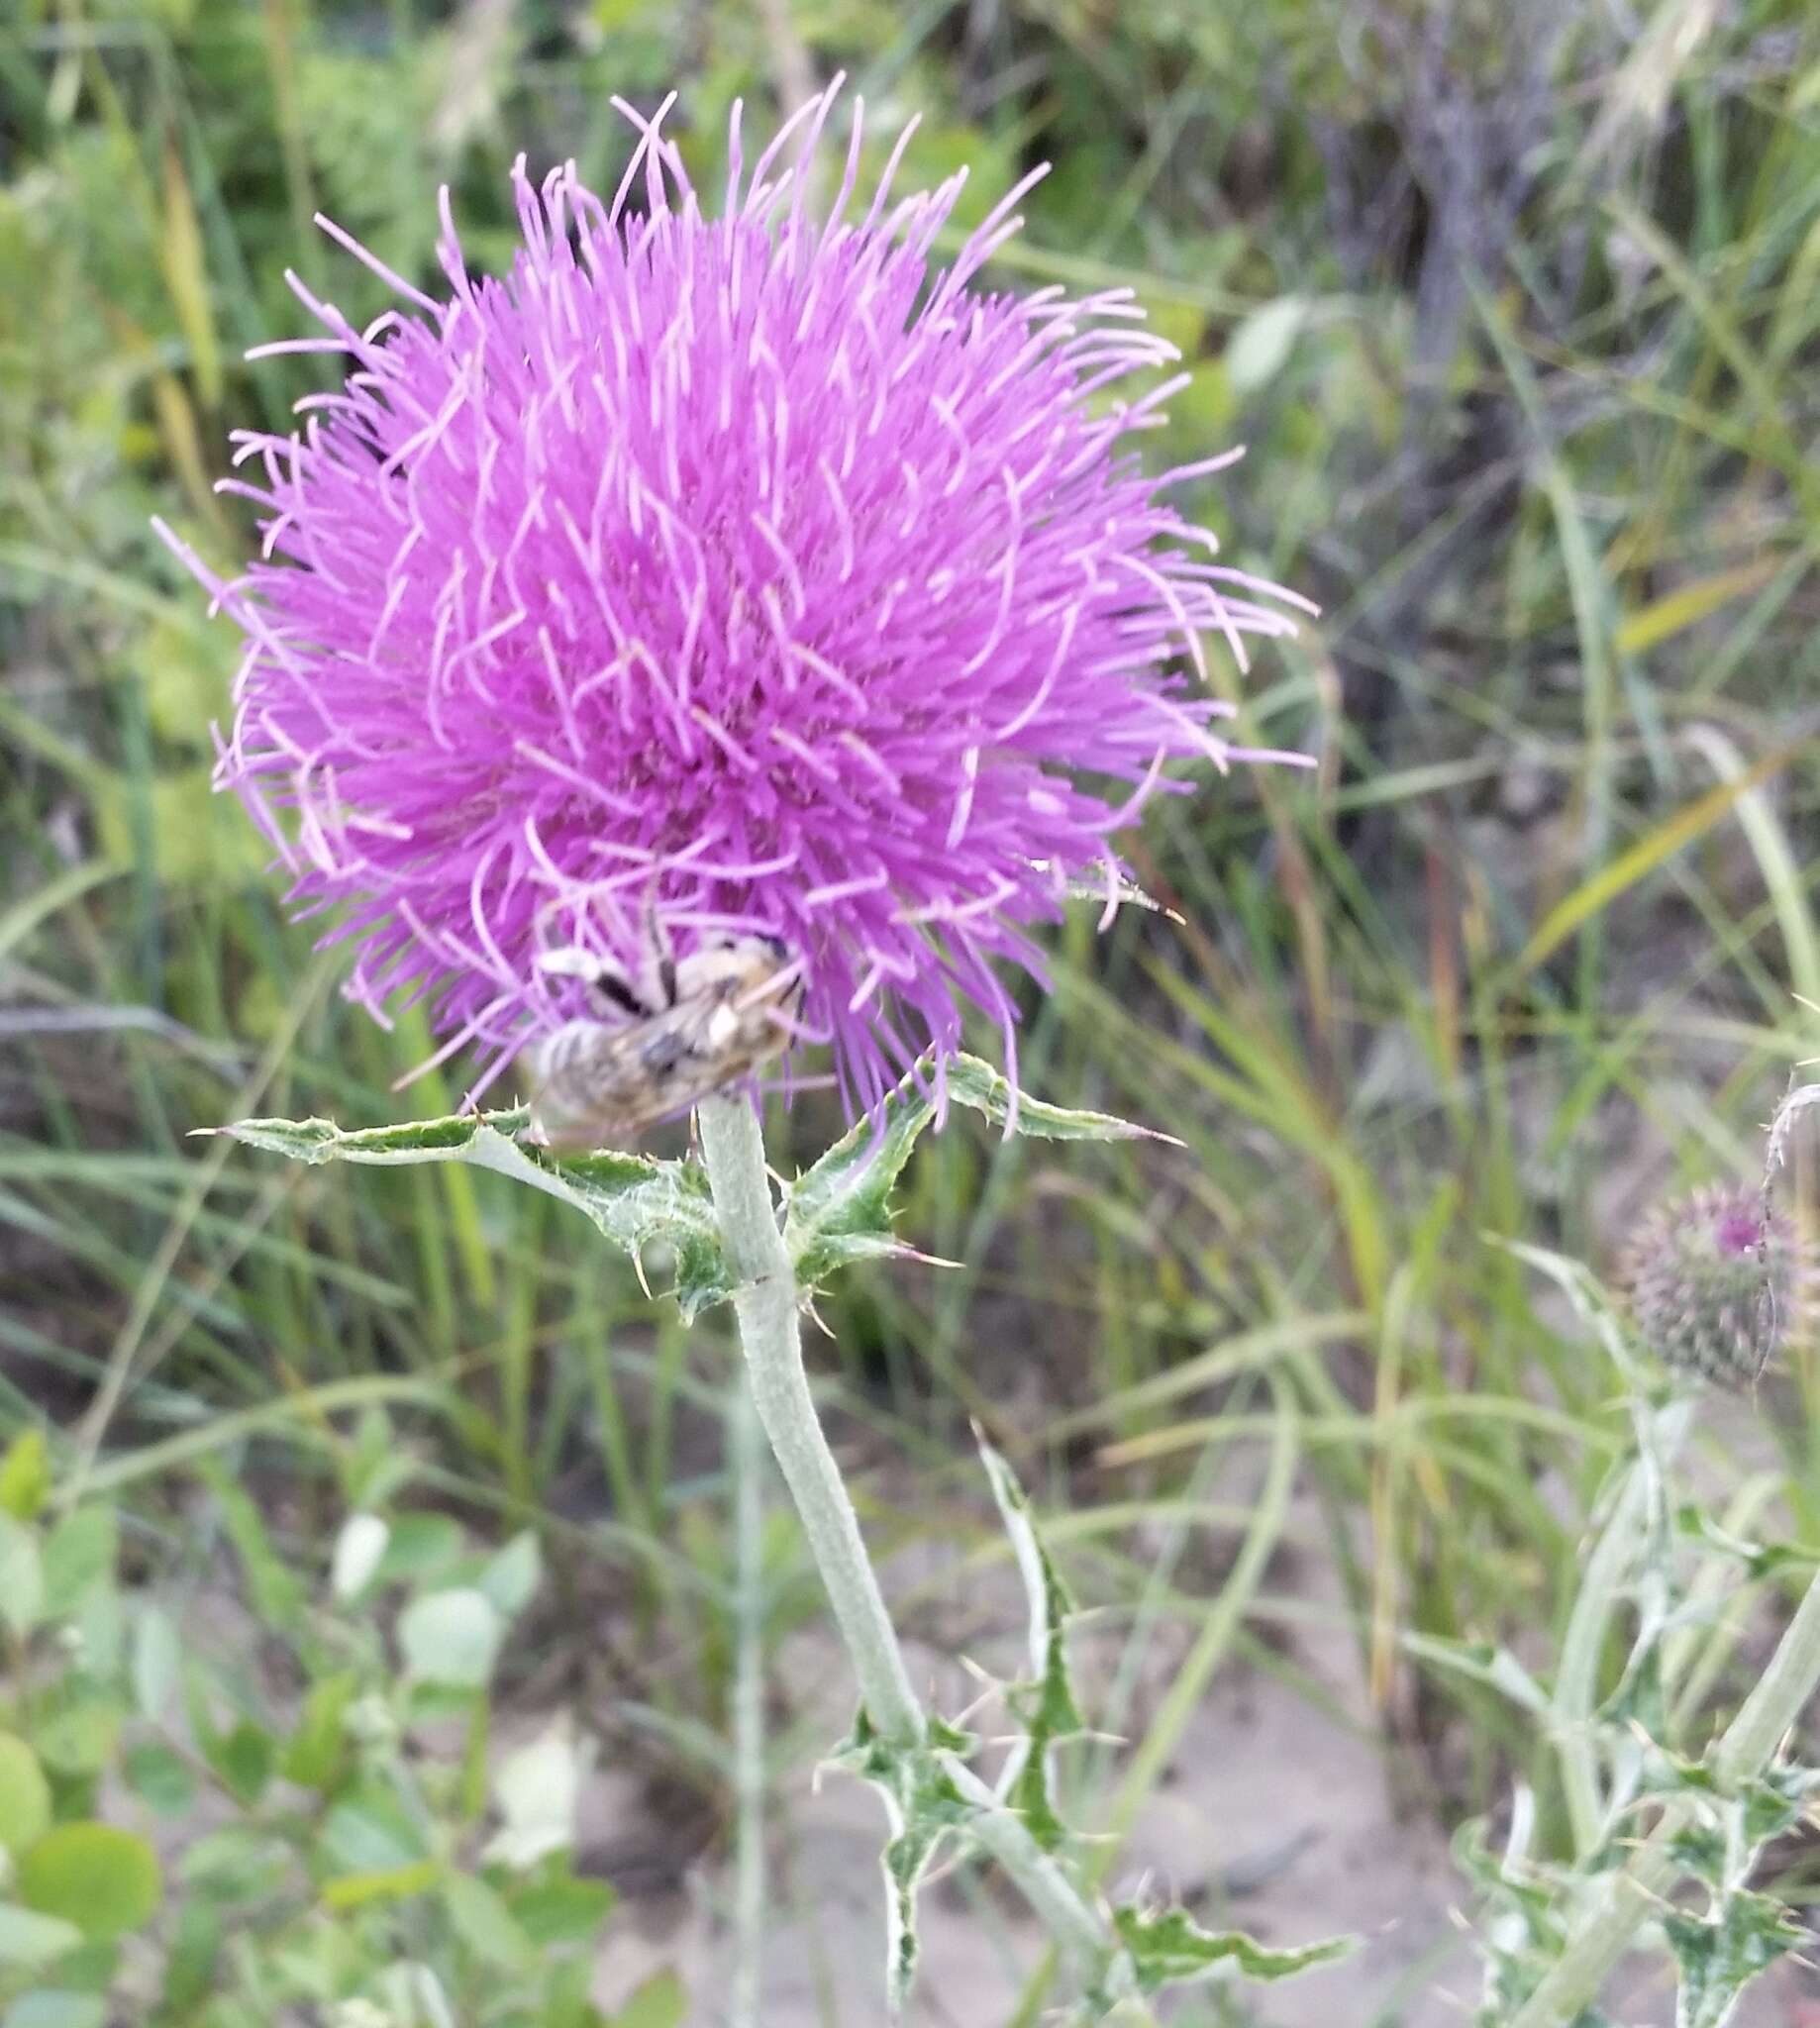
(617, 992)
(608, 988)
(657, 978)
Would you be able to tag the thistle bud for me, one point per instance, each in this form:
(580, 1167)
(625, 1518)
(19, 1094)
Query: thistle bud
(1711, 1276)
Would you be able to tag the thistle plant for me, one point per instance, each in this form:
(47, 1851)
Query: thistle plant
(1668, 1821)
(720, 621)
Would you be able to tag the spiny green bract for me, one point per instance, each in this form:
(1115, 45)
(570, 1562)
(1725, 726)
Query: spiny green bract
(1711, 1278)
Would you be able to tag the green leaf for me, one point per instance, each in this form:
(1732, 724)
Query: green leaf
(156, 1660)
(1044, 1706)
(22, 1577)
(277, 1590)
(79, 1554)
(511, 1576)
(77, 1735)
(661, 2002)
(386, 1883)
(1720, 1953)
(1483, 1663)
(103, 1880)
(1261, 342)
(34, 1941)
(1171, 1949)
(56, 2010)
(368, 1832)
(243, 1757)
(358, 1548)
(98, 1635)
(241, 1864)
(159, 1777)
(420, 1545)
(486, 1925)
(922, 1807)
(25, 1795)
(190, 1973)
(1590, 1298)
(1774, 1802)
(25, 1475)
(450, 1638)
(634, 1201)
(317, 1751)
(561, 1910)
(840, 1211)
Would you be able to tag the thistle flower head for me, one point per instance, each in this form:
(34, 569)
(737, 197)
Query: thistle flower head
(1711, 1279)
(749, 569)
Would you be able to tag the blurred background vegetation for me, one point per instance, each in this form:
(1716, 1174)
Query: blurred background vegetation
(1518, 311)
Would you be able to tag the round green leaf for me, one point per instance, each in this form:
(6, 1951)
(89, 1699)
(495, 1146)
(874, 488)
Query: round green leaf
(103, 1880)
(451, 1638)
(25, 1795)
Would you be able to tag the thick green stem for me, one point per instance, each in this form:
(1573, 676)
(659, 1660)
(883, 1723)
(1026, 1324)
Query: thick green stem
(1630, 1898)
(1075, 1926)
(766, 1305)
(770, 1335)
(746, 1461)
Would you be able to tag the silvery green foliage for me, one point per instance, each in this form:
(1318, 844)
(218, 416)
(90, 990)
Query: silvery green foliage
(639, 1205)
(1169, 1948)
(924, 1809)
(1726, 1933)
(1044, 1705)
(1157, 1947)
(836, 1214)
(1620, 1768)
(840, 1211)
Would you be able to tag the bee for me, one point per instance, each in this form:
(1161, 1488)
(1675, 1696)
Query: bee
(658, 1044)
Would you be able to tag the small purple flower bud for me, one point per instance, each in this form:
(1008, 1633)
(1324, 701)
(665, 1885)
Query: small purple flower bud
(1711, 1279)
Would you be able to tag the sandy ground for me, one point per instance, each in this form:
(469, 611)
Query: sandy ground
(1277, 1817)
(1292, 1814)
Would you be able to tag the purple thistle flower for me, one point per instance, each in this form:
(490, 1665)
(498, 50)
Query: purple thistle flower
(749, 570)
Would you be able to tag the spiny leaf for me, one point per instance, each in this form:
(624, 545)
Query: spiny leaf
(1171, 1949)
(634, 1201)
(1774, 1802)
(1044, 1706)
(1495, 1667)
(923, 1807)
(1720, 1953)
(840, 1211)
(1585, 1292)
(1760, 1559)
